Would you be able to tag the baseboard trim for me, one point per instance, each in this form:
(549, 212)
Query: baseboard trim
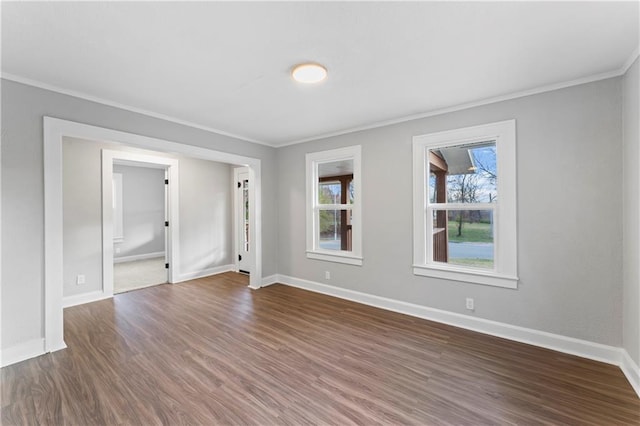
(631, 371)
(270, 280)
(205, 273)
(135, 257)
(569, 345)
(22, 352)
(80, 299)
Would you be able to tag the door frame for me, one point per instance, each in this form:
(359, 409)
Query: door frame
(54, 131)
(172, 249)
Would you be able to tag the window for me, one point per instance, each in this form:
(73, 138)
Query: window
(333, 206)
(465, 205)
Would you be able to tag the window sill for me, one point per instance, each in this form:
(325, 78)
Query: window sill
(335, 257)
(466, 275)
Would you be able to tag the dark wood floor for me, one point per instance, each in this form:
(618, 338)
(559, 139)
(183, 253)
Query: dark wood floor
(211, 351)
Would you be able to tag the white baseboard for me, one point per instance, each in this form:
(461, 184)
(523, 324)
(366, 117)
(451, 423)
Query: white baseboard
(631, 371)
(569, 345)
(271, 279)
(205, 273)
(21, 352)
(137, 257)
(79, 299)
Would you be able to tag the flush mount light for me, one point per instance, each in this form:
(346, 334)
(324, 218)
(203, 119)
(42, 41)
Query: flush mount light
(309, 73)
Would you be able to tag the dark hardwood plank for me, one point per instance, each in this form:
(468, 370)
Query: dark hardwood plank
(212, 351)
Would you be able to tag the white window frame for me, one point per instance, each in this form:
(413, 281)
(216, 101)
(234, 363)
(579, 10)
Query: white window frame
(353, 257)
(505, 273)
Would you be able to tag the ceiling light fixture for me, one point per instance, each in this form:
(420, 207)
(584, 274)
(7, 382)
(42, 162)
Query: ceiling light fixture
(309, 73)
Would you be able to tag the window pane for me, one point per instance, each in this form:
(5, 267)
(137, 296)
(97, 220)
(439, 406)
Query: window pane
(464, 237)
(334, 229)
(432, 187)
(463, 173)
(329, 193)
(335, 182)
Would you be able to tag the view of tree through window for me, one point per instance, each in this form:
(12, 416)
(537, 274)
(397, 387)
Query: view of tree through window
(464, 174)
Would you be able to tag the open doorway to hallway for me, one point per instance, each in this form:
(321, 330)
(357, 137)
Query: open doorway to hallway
(244, 255)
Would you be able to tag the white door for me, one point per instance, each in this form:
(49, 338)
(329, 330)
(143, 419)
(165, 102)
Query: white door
(242, 220)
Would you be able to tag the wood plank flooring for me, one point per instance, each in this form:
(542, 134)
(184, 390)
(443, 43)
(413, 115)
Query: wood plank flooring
(211, 351)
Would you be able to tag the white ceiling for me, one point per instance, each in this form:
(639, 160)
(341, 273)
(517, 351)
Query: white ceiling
(226, 66)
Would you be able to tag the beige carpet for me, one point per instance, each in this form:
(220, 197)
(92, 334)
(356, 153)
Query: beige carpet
(129, 276)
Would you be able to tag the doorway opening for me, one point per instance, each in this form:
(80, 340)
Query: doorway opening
(55, 130)
(138, 240)
(242, 220)
(140, 225)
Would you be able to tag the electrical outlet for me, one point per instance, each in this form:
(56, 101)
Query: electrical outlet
(117, 250)
(470, 305)
(80, 280)
(327, 275)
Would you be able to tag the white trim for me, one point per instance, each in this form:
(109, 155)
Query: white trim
(270, 280)
(21, 352)
(1, 233)
(466, 275)
(338, 257)
(569, 345)
(205, 273)
(631, 371)
(53, 285)
(312, 160)
(81, 299)
(135, 257)
(521, 94)
(460, 107)
(505, 270)
(96, 99)
(54, 131)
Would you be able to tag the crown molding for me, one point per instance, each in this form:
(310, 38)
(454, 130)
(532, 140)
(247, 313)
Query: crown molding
(81, 95)
(460, 107)
(538, 90)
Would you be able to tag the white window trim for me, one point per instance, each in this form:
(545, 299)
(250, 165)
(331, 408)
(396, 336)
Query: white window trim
(354, 257)
(505, 273)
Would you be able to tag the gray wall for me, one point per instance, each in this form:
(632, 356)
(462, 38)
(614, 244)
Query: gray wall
(631, 213)
(569, 172)
(143, 210)
(23, 191)
(569, 222)
(205, 212)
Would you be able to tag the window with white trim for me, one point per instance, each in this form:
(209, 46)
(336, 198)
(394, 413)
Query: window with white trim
(465, 205)
(334, 227)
